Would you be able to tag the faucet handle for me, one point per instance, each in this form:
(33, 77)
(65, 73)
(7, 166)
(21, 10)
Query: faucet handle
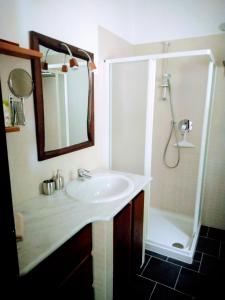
(83, 172)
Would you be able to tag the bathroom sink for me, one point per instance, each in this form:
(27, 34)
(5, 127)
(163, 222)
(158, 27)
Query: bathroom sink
(100, 188)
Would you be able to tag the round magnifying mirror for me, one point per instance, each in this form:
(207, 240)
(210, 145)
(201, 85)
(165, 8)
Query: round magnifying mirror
(185, 125)
(20, 83)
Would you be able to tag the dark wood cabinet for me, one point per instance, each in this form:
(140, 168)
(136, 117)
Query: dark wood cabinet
(69, 268)
(122, 251)
(127, 245)
(137, 231)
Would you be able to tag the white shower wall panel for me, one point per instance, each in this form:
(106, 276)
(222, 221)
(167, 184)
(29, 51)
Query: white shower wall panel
(129, 99)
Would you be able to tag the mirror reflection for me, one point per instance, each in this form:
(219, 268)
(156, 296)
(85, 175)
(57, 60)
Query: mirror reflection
(65, 97)
(20, 83)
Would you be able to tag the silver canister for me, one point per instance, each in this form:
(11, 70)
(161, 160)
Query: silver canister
(48, 186)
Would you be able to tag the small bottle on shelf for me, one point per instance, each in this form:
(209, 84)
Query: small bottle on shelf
(59, 181)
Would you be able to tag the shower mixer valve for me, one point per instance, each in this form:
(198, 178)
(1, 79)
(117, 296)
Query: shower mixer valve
(185, 126)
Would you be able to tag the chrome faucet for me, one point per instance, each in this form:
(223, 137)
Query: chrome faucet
(83, 173)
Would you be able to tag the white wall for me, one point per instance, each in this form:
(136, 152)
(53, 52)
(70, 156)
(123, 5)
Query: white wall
(163, 20)
(137, 21)
(75, 22)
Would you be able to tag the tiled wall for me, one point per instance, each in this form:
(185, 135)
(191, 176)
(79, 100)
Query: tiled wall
(174, 189)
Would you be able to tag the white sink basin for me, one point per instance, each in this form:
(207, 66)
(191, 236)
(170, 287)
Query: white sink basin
(100, 188)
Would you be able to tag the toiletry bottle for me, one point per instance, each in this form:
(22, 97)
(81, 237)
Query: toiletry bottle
(59, 182)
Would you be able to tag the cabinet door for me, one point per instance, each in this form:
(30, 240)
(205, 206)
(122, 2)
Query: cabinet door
(80, 281)
(122, 244)
(127, 246)
(137, 231)
(53, 270)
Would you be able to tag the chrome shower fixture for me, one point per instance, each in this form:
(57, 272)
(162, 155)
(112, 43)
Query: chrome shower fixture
(184, 126)
(165, 85)
(222, 28)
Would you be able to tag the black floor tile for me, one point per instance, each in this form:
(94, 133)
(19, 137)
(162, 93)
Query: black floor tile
(198, 256)
(202, 285)
(164, 293)
(217, 234)
(222, 251)
(193, 266)
(204, 230)
(147, 258)
(155, 254)
(142, 288)
(208, 246)
(213, 267)
(162, 272)
(193, 283)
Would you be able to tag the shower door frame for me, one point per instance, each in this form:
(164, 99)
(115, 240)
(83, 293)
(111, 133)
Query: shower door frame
(151, 60)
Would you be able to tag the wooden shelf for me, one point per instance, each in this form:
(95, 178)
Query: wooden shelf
(13, 49)
(12, 129)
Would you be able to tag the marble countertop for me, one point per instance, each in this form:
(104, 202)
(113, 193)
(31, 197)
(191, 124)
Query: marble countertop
(49, 221)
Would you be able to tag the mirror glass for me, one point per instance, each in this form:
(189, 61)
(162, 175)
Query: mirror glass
(20, 83)
(64, 97)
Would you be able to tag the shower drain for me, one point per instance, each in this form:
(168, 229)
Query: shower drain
(178, 245)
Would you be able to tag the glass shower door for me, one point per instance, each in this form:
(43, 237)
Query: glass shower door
(128, 91)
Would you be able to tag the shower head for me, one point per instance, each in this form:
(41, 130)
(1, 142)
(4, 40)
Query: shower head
(165, 85)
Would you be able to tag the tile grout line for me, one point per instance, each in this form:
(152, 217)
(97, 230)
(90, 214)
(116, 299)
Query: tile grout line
(167, 286)
(152, 291)
(209, 238)
(177, 278)
(142, 276)
(199, 268)
(146, 265)
(175, 264)
(211, 255)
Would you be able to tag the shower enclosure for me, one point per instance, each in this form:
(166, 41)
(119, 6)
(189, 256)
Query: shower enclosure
(158, 125)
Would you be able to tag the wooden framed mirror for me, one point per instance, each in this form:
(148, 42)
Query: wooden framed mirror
(63, 97)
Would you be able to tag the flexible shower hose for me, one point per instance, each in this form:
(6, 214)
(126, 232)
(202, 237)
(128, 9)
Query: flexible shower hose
(173, 129)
